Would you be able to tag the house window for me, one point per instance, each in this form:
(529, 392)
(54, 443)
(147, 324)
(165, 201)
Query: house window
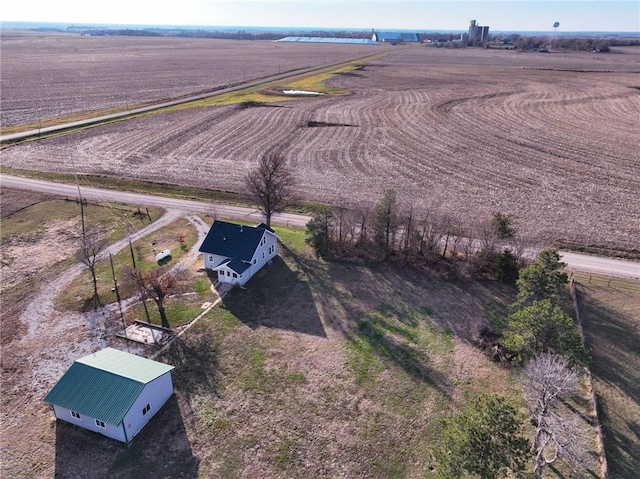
(100, 424)
(235, 275)
(263, 255)
(228, 273)
(146, 409)
(76, 414)
(254, 261)
(210, 257)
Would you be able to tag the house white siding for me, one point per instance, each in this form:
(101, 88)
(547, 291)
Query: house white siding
(155, 393)
(110, 430)
(265, 252)
(227, 275)
(213, 260)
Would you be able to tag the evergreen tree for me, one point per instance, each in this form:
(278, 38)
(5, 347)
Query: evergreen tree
(482, 441)
(540, 328)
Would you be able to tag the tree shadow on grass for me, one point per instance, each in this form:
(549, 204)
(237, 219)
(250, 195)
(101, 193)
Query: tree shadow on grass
(197, 364)
(395, 344)
(276, 297)
(390, 329)
(162, 449)
(615, 349)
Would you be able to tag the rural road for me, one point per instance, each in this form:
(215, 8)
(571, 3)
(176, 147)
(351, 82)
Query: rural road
(188, 206)
(575, 261)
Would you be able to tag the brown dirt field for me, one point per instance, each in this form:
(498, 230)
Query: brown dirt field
(550, 138)
(47, 76)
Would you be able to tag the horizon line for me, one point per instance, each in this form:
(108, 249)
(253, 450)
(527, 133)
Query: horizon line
(267, 28)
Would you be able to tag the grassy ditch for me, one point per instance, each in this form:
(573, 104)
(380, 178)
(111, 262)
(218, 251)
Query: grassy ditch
(272, 91)
(29, 222)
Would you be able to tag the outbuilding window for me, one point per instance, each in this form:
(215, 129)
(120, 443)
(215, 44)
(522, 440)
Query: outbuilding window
(146, 409)
(76, 414)
(100, 424)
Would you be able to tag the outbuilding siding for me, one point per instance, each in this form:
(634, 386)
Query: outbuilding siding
(114, 431)
(156, 393)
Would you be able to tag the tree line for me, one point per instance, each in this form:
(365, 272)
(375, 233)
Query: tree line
(438, 240)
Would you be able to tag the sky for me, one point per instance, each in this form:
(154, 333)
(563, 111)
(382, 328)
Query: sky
(500, 15)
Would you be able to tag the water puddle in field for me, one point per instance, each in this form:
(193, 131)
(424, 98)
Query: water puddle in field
(302, 92)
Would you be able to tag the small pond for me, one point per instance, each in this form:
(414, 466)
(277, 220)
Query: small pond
(302, 92)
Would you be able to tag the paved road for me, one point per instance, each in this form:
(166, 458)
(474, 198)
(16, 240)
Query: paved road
(600, 265)
(575, 261)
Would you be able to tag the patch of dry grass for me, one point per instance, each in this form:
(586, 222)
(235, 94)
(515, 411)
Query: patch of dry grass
(612, 326)
(330, 370)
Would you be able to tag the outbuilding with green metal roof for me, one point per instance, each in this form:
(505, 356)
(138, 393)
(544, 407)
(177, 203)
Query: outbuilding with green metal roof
(112, 392)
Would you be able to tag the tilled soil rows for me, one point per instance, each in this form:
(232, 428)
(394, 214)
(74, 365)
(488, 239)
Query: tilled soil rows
(48, 75)
(550, 138)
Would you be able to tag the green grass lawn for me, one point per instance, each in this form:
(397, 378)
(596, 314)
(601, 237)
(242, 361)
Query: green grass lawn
(80, 291)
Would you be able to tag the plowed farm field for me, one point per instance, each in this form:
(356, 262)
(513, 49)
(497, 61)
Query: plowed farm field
(48, 76)
(550, 138)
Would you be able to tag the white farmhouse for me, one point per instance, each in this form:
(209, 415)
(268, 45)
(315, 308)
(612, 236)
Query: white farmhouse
(237, 252)
(112, 392)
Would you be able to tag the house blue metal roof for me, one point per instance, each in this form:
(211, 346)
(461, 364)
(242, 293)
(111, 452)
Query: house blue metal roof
(105, 384)
(357, 41)
(236, 265)
(233, 241)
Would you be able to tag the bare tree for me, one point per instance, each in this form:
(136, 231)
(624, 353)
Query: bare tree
(409, 232)
(362, 212)
(270, 185)
(339, 220)
(92, 242)
(386, 220)
(157, 284)
(558, 433)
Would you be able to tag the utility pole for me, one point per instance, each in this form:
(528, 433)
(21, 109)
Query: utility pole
(84, 233)
(115, 286)
(143, 294)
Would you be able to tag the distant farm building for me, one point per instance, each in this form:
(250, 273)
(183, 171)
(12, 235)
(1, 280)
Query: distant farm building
(352, 41)
(111, 392)
(237, 252)
(395, 37)
(477, 33)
